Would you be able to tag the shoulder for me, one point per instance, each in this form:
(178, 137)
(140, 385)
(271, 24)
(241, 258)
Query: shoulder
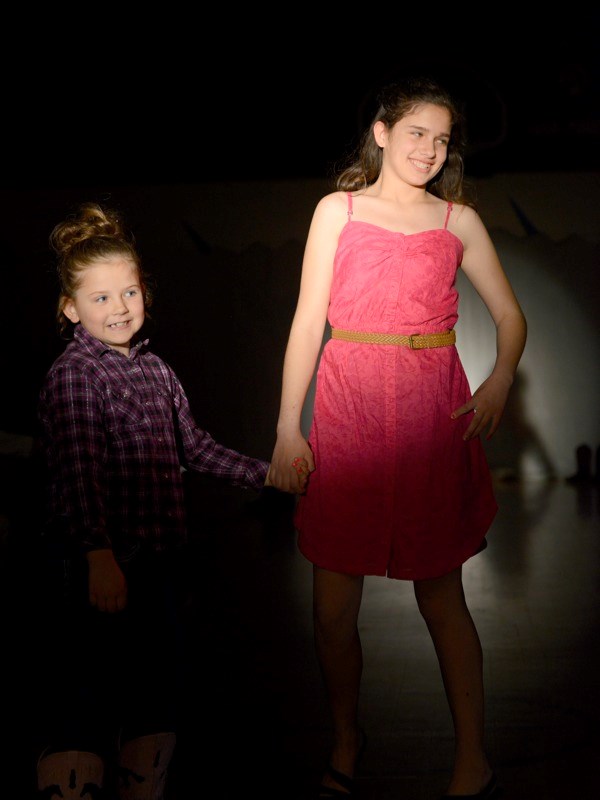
(465, 215)
(332, 206)
(73, 360)
(465, 222)
(70, 381)
(331, 213)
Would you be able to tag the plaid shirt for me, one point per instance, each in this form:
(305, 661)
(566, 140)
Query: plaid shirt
(116, 432)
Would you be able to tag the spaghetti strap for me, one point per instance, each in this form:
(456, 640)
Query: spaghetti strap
(450, 204)
(349, 207)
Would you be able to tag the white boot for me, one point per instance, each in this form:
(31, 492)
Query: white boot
(142, 767)
(71, 775)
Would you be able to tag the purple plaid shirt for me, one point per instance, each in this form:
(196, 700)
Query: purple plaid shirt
(116, 433)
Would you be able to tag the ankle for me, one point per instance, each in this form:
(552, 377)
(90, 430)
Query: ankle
(347, 749)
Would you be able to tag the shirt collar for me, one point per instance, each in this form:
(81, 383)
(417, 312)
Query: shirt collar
(97, 348)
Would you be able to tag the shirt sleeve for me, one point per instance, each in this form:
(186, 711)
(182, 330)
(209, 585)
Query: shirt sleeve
(203, 454)
(71, 418)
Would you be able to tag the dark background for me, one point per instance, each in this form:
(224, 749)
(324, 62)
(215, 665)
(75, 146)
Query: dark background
(93, 99)
(108, 106)
(204, 105)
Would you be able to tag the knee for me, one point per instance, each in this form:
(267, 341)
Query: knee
(336, 605)
(438, 607)
(334, 628)
(432, 613)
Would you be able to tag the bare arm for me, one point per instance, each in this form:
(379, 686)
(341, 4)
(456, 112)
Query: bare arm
(483, 268)
(304, 343)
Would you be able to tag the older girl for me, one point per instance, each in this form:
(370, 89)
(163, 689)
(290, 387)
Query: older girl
(399, 483)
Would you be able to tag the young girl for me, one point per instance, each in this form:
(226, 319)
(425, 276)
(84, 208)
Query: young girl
(399, 484)
(116, 431)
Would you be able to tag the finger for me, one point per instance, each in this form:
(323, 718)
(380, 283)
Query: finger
(467, 408)
(476, 426)
(115, 604)
(286, 482)
(459, 412)
(302, 470)
(280, 479)
(300, 464)
(303, 485)
(493, 427)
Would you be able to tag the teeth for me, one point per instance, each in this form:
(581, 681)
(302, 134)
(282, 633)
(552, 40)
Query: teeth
(421, 164)
(118, 324)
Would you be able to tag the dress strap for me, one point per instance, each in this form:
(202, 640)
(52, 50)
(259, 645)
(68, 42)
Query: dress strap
(349, 206)
(450, 204)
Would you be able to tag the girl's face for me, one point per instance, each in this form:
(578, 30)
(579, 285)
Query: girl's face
(416, 147)
(109, 302)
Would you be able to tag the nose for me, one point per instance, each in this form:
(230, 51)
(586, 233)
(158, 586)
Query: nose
(428, 147)
(121, 306)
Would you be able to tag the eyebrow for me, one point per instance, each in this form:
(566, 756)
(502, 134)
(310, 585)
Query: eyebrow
(421, 128)
(129, 286)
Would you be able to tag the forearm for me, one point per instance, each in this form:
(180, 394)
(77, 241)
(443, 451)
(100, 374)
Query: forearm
(511, 335)
(205, 455)
(291, 447)
(81, 474)
(298, 369)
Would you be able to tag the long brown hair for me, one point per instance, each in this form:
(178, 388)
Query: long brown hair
(395, 101)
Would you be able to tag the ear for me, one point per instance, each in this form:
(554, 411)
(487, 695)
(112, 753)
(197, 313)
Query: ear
(380, 133)
(69, 310)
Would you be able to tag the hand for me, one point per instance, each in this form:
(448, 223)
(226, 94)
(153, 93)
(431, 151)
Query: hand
(107, 584)
(486, 406)
(291, 464)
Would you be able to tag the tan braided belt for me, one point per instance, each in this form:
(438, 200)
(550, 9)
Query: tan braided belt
(416, 341)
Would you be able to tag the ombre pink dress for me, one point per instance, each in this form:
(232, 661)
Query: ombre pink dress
(396, 491)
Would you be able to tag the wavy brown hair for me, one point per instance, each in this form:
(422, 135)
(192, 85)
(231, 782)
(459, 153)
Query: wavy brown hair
(396, 101)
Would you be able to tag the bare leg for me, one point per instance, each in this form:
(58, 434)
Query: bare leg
(336, 603)
(442, 603)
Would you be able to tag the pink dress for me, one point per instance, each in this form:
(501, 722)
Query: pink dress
(396, 491)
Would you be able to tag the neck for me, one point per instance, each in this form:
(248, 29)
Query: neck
(398, 191)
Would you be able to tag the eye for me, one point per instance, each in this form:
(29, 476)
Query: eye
(101, 298)
(443, 142)
(131, 293)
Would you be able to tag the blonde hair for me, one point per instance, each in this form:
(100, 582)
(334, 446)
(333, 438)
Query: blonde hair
(92, 234)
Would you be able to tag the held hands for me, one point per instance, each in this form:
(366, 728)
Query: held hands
(486, 407)
(107, 584)
(291, 464)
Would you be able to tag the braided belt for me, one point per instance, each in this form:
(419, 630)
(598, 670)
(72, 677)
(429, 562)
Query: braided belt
(416, 341)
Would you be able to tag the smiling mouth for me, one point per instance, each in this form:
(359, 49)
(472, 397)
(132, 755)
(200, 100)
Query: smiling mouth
(422, 165)
(120, 324)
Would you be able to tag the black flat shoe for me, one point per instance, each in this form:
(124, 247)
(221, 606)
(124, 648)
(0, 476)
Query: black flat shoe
(329, 793)
(345, 781)
(491, 789)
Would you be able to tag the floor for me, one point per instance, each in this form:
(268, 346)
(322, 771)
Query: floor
(255, 720)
